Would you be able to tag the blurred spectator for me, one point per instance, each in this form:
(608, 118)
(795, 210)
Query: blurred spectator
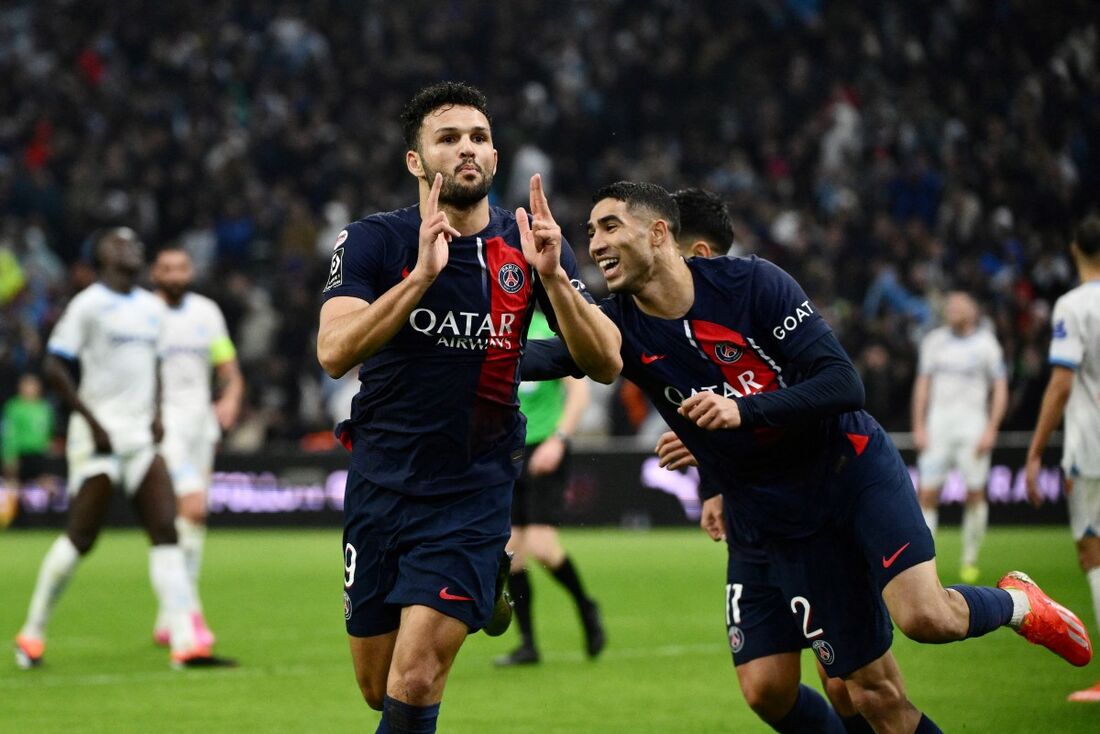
(881, 152)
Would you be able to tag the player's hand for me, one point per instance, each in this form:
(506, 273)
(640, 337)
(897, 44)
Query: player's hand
(711, 412)
(158, 430)
(101, 439)
(547, 457)
(920, 440)
(985, 443)
(1032, 467)
(671, 452)
(227, 412)
(712, 521)
(436, 234)
(541, 237)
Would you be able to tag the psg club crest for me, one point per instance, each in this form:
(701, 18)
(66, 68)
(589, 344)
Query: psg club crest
(510, 277)
(737, 639)
(728, 352)
(347, 606)
(824, 652)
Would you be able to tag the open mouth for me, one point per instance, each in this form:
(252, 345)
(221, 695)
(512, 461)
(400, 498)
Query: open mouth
(609, 266)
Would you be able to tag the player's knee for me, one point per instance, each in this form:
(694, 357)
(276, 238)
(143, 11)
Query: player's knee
(417, 684)
(83, 540)
(769, 699)
(163, 532)
(372, 694)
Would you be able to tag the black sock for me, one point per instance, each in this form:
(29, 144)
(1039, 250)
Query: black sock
(519, 585)
(926, 726)
(567, 576)
(856, 725)
(399, 717)
(989, 608)
(811, 712)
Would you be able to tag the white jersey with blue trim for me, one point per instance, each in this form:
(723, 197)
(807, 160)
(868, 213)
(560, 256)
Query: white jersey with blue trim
(191, 330)
(116, 337)
(1075, 343)
(961, 371)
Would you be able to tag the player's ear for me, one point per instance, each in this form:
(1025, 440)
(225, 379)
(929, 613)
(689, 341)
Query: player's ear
(414, 164)
(700, 248)
(658, 233)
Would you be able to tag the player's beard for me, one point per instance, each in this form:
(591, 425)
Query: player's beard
(458, 195)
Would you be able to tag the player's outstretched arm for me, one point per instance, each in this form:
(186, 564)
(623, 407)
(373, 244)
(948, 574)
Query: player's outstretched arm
(592, 338)
(352, 329)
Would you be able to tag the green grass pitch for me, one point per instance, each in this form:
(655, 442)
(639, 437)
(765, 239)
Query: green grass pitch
(274, 599)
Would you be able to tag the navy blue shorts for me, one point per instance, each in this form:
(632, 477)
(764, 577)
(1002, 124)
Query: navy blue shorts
(825, 591)
(441, 551)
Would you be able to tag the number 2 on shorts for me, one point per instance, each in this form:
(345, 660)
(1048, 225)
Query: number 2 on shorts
(804, 603)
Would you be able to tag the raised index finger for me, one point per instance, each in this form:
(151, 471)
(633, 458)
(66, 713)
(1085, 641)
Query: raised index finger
(540, 207)
(432, 205)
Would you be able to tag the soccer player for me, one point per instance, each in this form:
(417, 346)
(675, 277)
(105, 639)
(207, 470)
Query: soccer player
(434, 300)
(752, 380)
(959, 399)
(196, 343)
(27, 425)
(1074, 389)
(553, 410)
(114, 329)
(706, 231)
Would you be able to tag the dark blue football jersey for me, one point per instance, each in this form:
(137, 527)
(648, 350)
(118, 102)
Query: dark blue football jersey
(748, 322)
(437, 411)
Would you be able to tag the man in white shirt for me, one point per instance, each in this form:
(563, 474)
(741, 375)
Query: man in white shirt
(115, 330)
(959, 400)
(195, 343)
(1074, 390)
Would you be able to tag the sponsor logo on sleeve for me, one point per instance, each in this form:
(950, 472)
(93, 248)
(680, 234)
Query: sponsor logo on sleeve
(335, 270)
(792, 321)
(1060, 329)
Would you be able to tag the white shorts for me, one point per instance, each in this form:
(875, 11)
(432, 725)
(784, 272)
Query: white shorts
(953, 448)
(127, 469)
(190, 461)
(1084, 507)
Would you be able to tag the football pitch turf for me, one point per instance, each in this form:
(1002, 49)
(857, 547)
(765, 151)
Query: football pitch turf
(274, 597)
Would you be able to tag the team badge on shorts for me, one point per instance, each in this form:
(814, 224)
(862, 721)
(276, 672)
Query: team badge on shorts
(347, 606)
(737, 639)
(824, 652)
(510, 277)
(728, 352)
(335, 270)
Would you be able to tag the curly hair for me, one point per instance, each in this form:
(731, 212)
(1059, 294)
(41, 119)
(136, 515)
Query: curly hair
(431, 98)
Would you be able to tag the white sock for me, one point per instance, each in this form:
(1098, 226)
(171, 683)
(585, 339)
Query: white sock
(931, 518)
(1020, 606)
(975, 521)
(192, 539)
(173, 589)
(1093, 576)
(57, 567)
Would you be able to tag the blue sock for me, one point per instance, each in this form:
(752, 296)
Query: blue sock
(989, 608)
(401, 718)
(927, 726)
(856, 725)
(810, 713)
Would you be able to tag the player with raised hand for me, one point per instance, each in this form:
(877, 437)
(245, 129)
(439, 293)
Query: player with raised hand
(434, 300)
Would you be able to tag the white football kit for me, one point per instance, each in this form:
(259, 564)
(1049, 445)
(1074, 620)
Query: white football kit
(962, 370)
(116, 338)
(1075, 344)
(196, 340)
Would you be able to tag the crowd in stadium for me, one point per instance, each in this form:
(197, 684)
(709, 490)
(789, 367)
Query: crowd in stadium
(883, 162)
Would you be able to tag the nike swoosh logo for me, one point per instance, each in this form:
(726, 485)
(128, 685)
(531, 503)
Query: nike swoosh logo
(887, 562)
(651, 358)
(452, 597)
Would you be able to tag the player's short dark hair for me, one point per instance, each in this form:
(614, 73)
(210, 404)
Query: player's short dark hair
(1087, 235)
(703, 215)
(639, 194)
(431, 98)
